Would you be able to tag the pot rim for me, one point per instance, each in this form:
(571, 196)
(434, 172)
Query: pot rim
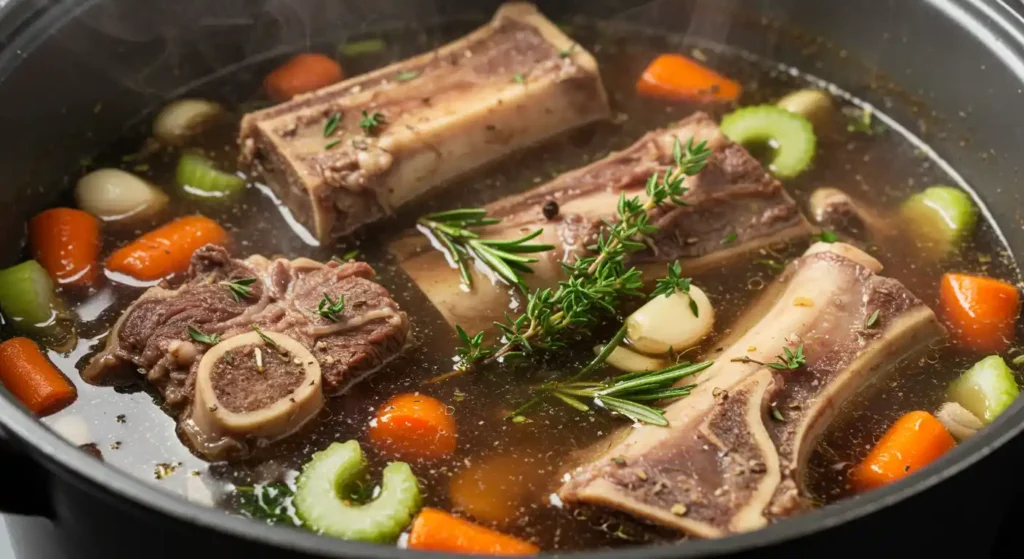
(995, 23)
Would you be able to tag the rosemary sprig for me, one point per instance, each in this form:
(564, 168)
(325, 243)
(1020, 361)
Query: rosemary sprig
(329, 308)
(371, 122)
(267, 339)
(239, 288)
(452, 231)
(788, 360)
(596, 284)
(628, 395)
(331, 124)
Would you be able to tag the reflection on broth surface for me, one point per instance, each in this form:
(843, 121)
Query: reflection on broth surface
(508, 467)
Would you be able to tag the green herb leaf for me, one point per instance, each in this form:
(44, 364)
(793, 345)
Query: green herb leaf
(267, 339)
(826, 236)
(239, 288)
(871, 320)
(271, 503)
(332, 124)
(519, 78)
(199, 336)
(567, 52)
(331, 144)
(329, 309)
(407, 75)
(777, 415)
(674, 282)
(357, 48)
(371, 122)
(731, 237)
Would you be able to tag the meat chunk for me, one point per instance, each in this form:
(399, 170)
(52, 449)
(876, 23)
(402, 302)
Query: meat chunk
(274, 354)
(734, 207)
(501, 88)
(733, 456)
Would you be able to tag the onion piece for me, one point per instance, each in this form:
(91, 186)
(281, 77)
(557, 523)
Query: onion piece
(668, 323)
(115, 195)
(627, 360)
(179, 120)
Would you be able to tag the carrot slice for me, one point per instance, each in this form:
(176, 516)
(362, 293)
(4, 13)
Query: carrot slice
(305, 72)
(914, 441)
(411, 426)
(33, 380)
(982, 312)
(677, 78)
(491, 489)
(167, 249)
(66, 242)
(436, 530)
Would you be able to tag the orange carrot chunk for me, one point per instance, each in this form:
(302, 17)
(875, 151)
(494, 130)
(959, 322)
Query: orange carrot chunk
(167, 249)
(33, 380)
(66, 242)
(677, 78)
(982, 312)
(914, 441)
(305, 72)
(414, 426)
(436, 530)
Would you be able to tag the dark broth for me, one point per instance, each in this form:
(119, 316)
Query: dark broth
(136, 436)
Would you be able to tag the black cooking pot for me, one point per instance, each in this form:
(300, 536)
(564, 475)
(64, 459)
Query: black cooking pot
(950, 71)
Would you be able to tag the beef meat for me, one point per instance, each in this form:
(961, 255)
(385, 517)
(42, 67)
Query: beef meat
(333, 350)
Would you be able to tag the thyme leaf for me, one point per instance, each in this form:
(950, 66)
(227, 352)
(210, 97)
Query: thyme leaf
(371, 122)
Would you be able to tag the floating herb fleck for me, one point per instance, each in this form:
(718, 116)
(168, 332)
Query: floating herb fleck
(371, 122)
(350, 255)
(407, 75)
(331, 144)
(567, 52)
(267, 339)
(773, 264)
(199, 336)
(519, 78)
(826, 236)
(871, 320)
(788, 360)
(271, 503)
(332, 124)
(777, 415)
(329, 308)
(239, 288)
(731, 237)
(357, 48)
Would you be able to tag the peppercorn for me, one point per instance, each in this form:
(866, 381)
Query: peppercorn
(550, 209)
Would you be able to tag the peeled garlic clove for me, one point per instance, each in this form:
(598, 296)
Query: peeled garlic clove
(668, 323)
(181, 119)
(813, 104)
(630, 361)
(115, 195)
(958, 421)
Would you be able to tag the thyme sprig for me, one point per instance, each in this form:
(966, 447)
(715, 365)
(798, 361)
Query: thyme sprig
(673, 282)
(596, 284)
(371, 122)
(787, 360)
(453, 231)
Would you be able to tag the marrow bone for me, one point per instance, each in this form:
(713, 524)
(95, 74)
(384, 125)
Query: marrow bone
(501, 88)
(733, 456)
(227, 404)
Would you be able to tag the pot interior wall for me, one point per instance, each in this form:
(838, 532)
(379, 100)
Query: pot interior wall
(77, 74)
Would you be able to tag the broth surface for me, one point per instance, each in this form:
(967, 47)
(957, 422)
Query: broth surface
(135, 435)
